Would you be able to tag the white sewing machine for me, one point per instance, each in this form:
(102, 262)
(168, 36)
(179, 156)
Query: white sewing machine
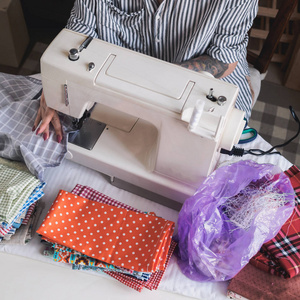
(162, 126)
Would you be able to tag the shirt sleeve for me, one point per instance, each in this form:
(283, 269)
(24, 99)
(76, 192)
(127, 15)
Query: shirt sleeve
(231, 34)
(82, 18)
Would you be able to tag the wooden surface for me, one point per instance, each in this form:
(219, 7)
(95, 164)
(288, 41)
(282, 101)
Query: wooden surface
(273, 33)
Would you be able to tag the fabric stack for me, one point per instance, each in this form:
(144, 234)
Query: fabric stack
(19, 193)
(273, 273)
(91, 231)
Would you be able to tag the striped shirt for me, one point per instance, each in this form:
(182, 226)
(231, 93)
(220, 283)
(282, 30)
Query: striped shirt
(175, 31)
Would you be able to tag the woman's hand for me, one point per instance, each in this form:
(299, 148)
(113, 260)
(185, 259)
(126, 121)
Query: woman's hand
(44, 117)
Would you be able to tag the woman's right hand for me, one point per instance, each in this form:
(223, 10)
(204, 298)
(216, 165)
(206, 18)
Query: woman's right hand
(45, 116)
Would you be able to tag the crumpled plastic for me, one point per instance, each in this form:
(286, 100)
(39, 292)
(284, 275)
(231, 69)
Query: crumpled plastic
(211, 247)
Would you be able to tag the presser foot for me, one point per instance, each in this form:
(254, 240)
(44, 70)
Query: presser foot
(89, 133)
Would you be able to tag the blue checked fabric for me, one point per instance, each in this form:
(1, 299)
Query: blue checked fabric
(35, 196)
(18, 109)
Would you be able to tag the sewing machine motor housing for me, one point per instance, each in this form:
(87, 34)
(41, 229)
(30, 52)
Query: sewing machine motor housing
(162, 126)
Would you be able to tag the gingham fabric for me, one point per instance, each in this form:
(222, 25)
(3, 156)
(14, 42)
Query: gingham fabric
(91, 194)
(18, 110)
(16, 187)
(281, 255)
(36, 194)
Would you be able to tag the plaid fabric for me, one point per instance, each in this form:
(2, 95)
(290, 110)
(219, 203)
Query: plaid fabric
(34, 197)
(18, 110)
(16, 187)
(281, 255)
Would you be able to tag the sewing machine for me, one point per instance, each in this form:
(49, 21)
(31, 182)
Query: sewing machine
(155, 125)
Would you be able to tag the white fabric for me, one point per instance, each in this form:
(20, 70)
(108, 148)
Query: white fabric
(65, 177)
(256, 79)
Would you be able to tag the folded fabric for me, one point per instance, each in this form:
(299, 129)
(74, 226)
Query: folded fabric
(19, 103)
(252, 283)
(153, 282)
(114, 235)
(35, 195)
(29, 212)
(281, 255)
(94, 195)
(69, 256)
(16, 188)
(25, 233)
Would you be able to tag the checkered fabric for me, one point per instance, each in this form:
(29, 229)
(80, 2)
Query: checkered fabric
(36, 194)
(281, 255)
(91, 194)
(16, 187)
(276, 125)
(18, 110)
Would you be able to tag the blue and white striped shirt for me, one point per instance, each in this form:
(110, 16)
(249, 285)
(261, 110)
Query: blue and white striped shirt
(175, 31)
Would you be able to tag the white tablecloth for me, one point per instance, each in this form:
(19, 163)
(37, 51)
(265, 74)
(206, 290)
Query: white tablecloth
(27, 274)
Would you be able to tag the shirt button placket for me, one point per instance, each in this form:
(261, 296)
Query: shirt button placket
(157, 29)
(157, 21)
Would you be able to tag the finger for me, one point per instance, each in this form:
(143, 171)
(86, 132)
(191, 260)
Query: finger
(46, 119)
(43, 100)
(46, 133)
(57, 127)
(37, 120)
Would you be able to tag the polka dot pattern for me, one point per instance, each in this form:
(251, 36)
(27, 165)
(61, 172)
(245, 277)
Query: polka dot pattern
(112, 234)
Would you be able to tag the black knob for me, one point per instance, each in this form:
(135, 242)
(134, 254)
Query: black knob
(73, 54)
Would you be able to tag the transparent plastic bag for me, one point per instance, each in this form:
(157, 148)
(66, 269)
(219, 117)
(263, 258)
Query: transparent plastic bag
(236, 209)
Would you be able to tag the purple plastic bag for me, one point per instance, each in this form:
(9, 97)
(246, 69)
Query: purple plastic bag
(213, 246)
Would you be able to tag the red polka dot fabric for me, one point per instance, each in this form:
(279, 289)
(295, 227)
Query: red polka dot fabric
(115, 235)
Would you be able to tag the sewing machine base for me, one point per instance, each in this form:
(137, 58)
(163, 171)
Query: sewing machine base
(124, 185)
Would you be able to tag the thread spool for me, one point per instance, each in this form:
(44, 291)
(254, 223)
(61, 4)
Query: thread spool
(196, 115)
